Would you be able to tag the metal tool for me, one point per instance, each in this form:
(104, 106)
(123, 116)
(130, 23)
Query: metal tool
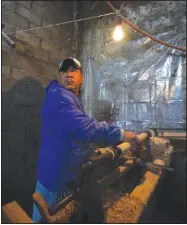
(151, 166)
(7, 39)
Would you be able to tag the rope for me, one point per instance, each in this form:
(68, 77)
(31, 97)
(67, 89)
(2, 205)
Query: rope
(107, 14)
(183, 49)
(62, 23)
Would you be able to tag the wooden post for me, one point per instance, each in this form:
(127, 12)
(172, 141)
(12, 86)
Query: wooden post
(15, 214)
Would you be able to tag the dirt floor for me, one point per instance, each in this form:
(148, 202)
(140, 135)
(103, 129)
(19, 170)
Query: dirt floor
(119, 206)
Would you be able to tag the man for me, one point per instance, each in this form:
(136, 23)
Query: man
(66, 133)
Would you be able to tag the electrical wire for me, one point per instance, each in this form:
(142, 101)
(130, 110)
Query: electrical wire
(183, 49)
(102, 15)
(67, 22)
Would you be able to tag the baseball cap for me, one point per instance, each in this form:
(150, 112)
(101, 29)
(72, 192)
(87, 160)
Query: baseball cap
(69, 62)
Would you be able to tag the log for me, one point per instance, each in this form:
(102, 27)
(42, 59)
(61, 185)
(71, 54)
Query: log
(15, 214)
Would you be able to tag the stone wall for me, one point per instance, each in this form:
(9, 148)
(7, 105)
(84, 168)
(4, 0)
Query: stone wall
(26, 70)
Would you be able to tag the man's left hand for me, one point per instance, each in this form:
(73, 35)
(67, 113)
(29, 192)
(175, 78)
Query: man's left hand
(132, 138)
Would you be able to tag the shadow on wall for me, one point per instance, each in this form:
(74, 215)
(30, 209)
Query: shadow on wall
(21, 107)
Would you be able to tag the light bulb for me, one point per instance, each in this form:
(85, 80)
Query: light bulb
(118, 33)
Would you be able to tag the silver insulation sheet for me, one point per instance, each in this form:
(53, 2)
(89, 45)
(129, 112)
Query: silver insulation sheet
(138, 84)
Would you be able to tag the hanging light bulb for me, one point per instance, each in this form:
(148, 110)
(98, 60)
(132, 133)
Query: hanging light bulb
(118, 33)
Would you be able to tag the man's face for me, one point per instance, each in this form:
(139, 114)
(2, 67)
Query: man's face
(71, 80)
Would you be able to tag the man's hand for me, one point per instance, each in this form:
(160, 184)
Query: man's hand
(131, 138)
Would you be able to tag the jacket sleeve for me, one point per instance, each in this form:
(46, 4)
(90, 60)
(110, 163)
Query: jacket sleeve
(82, 128)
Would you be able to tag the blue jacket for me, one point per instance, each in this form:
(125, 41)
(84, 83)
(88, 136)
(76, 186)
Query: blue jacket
(66, 133)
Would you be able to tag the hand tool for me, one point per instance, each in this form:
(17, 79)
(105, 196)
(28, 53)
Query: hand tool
(7, 39)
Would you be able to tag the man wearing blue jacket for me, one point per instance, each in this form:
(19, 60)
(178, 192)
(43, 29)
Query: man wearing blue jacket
(66, 133)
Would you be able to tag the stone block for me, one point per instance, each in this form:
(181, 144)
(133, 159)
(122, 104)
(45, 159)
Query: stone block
(22, 99)
(15, 19)
(28, 38)
(8, 6)
(56, 40)
(18, 74)
(21, 62)
(17, 124)
(34, 112)
(7, 84)
(50, 14)
(5, 3)
(9, 59)
(46, 22)
(44, 34)
(16, 112)
(16, 145)
(33, 128)
(40, 54)
(6, 70)
(49, 70)
(44, 80)
(62, 39)
(6, 101)
(21, 47)
(25, 101)
(48, 46)
(9, 28)
(37, 8)
(26, 13)
(55, 57)
(24, 3)
(35, 89)
(41, 3)
(30, 51)
(32, 65)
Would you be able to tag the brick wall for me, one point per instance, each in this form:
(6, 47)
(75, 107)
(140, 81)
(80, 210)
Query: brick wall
(25, 72)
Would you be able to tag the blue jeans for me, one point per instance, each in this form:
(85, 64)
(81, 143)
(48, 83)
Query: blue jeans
(50, 198)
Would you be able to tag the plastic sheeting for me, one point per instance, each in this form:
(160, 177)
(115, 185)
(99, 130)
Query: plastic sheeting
(142, 87)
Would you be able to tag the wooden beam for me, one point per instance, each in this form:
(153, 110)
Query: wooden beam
(131, 207)
(144, 191)
(15, 214)
(173, 134)
(62, 216)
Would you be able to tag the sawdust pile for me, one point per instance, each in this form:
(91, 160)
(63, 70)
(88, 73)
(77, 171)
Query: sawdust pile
(124, 210)
(118, 208)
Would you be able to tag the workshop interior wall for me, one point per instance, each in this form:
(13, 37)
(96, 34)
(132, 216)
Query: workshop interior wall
(25, 72)
(136, 83)
(119, 79)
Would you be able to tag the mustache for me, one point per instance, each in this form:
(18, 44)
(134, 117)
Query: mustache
(69, 81)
